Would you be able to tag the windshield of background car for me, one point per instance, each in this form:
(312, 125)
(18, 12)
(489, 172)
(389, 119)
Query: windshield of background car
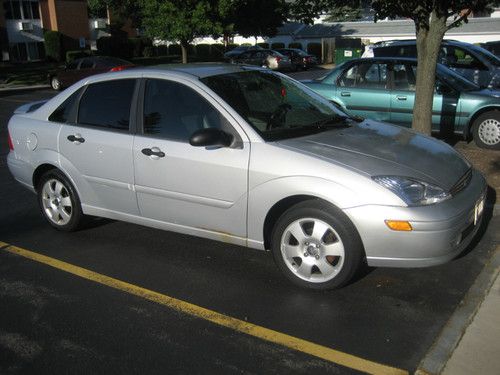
(455, 80)
(276, 107)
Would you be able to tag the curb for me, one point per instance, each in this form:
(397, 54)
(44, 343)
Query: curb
(441, 350)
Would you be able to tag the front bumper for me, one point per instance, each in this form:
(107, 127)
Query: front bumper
(440, 232)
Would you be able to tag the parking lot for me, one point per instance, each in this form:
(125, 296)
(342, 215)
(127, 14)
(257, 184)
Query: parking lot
(130, 299)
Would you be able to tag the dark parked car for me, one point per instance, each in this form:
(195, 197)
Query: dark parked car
(84, 67)
(299, 58)
(239, 50)
(470, 61)
(266, 58)
(493, 47)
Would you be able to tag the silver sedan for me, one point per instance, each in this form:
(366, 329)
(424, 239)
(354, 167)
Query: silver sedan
(247, 156)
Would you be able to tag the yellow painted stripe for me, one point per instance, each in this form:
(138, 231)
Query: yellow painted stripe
(328, 354)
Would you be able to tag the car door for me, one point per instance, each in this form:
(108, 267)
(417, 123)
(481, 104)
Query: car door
(362, 90)
(97, 148)
(203, 188)
(444, 104)
(69, 74)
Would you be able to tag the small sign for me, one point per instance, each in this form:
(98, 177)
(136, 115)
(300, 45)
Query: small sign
(347, 53)
(82, 42)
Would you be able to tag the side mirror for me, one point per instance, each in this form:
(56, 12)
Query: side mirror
(210, 137)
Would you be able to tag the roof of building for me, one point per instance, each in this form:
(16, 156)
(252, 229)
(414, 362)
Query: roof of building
(397, 28)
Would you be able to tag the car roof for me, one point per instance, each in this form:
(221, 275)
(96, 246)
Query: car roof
(383, 59)
(202, 70)
(409, 42)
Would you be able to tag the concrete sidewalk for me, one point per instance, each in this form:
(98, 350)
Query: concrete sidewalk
(478, 352)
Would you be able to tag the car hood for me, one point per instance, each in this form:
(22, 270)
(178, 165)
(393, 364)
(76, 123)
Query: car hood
(374, 148)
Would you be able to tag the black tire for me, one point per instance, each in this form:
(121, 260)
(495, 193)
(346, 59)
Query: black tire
(54, 205)
(486, 130)
(55, 83)
(346, 234)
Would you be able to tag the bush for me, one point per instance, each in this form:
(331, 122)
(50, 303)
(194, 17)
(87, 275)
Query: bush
(217, 51)
(263, 45)
(137, 46)
(114, 46)
(314, 49)
(53, 45)
(295, 45)
(148, 51)
(72, 55)
(203, 51)
(277, 45)
(161, 50)
(174, 49)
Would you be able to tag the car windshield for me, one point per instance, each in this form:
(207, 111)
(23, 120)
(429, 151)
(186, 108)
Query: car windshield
(275, 106)
(455, 80)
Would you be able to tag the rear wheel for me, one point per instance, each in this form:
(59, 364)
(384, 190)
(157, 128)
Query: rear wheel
(316, 246)
(55, 83)
(486, 130)
(59, 201)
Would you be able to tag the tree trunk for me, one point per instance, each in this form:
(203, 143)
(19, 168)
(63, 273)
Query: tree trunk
(184, 50)
(428, 46)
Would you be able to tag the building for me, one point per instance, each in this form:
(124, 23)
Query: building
(22, 24)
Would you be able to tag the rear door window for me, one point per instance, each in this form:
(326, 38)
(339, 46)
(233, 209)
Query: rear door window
(365, 75)
(107, 104)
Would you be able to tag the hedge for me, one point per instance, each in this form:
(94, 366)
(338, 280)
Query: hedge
(137, 46)
(174, 49)
(53, 45)
(263, 45)
(114, 46)
(203, 50)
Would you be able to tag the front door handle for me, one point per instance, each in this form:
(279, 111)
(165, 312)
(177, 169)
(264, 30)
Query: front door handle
(345, 93)
(154, 152)
(401, 97)
(77, 138)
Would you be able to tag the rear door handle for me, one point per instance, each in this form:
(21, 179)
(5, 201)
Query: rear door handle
(77, 138)
(345, 93)
(400, 97)
(154, 152)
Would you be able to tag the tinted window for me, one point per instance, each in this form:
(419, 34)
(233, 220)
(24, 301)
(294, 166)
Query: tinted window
(107, 104)
(66, 112)
(367, 75)
(175, 111)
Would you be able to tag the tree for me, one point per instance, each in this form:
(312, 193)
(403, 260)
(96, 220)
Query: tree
(432, 18)
(347, 11)
(180, 20)
(259, 17)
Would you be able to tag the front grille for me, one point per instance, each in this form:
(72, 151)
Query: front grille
(462, 183)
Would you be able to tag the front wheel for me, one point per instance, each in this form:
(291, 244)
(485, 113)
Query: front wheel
(59, 201)
(316, 246)
(486, 130)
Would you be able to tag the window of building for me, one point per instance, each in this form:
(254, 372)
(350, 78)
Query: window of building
(107, 104)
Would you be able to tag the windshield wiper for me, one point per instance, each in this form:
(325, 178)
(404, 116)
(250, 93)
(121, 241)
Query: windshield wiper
(330, 122)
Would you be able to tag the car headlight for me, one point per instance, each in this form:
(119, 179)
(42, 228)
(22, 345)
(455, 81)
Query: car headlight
(411, 191)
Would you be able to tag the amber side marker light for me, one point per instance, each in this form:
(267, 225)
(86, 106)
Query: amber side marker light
(399, 225)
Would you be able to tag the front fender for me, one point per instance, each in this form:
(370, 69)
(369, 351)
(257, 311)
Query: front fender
(263, 197)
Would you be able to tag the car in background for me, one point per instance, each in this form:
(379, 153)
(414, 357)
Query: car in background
(383, 89)
(84, 67)
(266, 58)
(238, 50)
(493, 47)
(244, 155)
(470, 61)
(300, 59)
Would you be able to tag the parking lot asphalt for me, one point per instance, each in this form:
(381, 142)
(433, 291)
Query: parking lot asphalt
(54, 321)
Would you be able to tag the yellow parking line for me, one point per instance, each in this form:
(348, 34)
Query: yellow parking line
(328, 354)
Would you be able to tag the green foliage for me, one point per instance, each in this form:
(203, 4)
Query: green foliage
(53, 45)
(307, 10)
(231, 46)
(174, 49)
(162, 50)
(277, 45)
(314, 49)
(137, 46)
(217, 51)
(345, 13)
(259, 17)
(263, 45)
(203, 50)
(148, 51)
(295, 45)
(114, 46)
(72, 55)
